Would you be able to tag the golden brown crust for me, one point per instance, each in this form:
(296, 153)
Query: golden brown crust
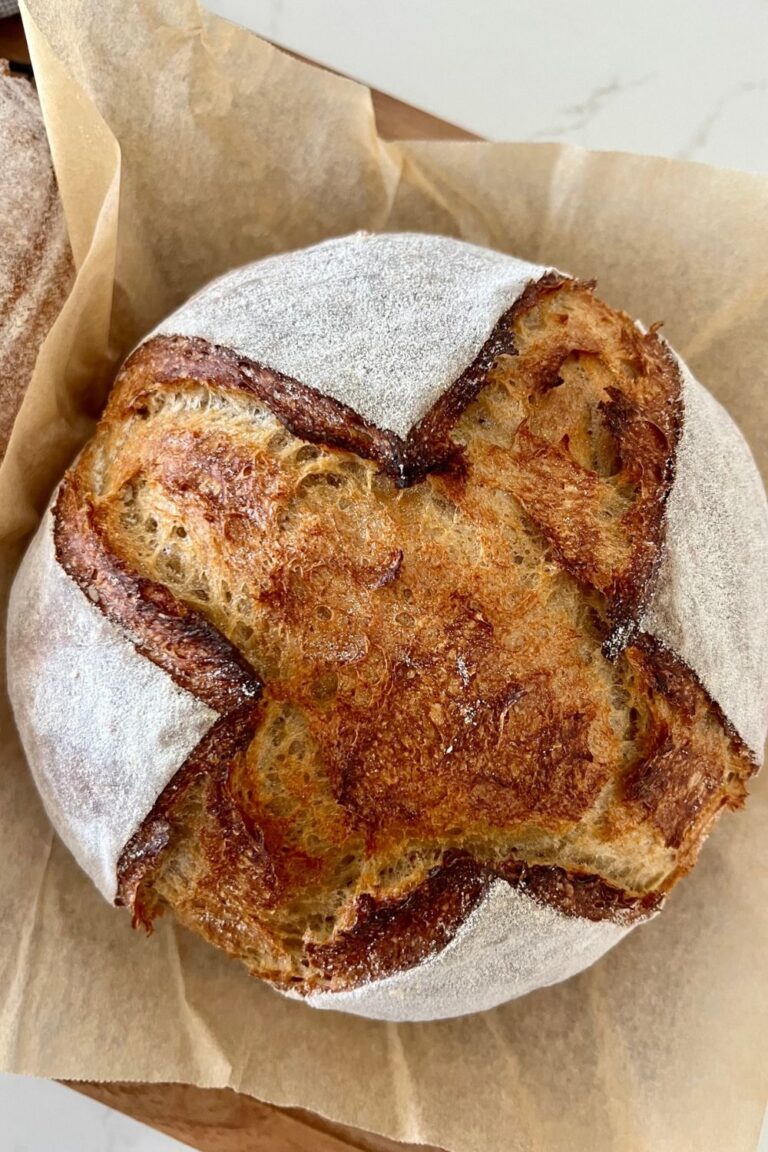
(565, 496)
(445, 629)
(210, 760)
(577, 894)
(169, 633)
(386, 936)
(390, 937)
(676, 783)
(319, 419)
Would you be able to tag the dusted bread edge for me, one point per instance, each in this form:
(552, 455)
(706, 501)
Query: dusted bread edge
(103, 729)
(508, 946)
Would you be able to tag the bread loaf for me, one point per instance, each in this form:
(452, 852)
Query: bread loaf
(402, 628)
(35, 261)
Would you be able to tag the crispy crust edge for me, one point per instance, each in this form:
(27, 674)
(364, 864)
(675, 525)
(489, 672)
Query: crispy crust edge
(387, 936)
(310, 415)
(173, 636)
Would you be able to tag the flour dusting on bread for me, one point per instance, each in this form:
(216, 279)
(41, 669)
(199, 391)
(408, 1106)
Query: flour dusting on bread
(104, 730)
(710, 604)
(509, 946)
(383, 323)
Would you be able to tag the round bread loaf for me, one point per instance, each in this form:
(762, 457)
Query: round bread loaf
(402, 628)
(36, 270)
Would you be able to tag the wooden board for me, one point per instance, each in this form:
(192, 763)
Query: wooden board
(398, 121)
(13, 46)
(219, 1120)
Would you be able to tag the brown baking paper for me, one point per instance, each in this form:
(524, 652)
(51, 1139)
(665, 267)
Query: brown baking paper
(185, 146)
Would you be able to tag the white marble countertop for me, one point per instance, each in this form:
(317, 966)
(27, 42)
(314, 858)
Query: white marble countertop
(684, 78)
(41, 1116)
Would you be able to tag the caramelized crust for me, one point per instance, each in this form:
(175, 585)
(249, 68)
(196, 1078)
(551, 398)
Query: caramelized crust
(441, 631)
(165, 629)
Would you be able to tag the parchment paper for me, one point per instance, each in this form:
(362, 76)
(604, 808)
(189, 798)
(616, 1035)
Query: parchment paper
(184, 146)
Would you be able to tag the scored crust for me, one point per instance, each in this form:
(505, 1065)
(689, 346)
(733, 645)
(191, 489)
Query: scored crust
(442, 631)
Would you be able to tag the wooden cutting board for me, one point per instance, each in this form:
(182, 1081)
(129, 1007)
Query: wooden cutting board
(219, 1120)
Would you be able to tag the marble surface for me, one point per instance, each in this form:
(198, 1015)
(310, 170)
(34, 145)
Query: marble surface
(683, 78)
(40, 1116)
